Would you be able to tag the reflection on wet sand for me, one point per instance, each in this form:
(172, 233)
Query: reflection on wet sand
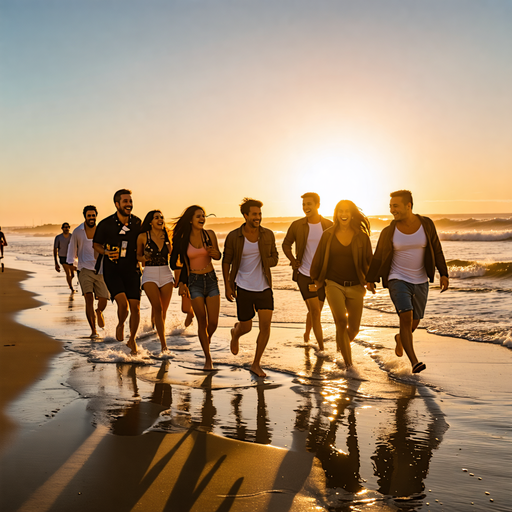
(325, 425)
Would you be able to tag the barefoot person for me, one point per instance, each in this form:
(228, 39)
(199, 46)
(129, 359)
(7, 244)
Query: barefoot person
(153, 251)
(341, 262)
(407, 254)
(195, 247)
(116, 239)
(249, 253)
(60, 254)
(305, 233)
(91, 283)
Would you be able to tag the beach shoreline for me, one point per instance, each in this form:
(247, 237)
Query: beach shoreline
(81, 460)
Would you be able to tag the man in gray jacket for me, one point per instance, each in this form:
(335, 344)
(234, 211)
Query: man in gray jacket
(249, 253)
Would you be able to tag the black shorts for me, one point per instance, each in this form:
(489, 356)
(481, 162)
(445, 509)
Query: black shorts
(123, 282)
(304, 282)
(248, 302)
(62, 260)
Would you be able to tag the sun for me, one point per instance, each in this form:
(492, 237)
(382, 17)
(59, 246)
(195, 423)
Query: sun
(344, 171)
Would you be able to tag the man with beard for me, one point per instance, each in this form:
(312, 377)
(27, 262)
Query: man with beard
(249, 253)
(92, 284)
(116, 240)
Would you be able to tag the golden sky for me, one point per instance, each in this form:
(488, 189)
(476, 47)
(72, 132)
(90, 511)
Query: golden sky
(196, 101)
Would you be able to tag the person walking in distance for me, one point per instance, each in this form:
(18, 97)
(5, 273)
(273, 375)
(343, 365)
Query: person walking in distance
(116, 238)
(60, 254)
(249, 253)
(305, 233)
(407, 254)
(92, 284)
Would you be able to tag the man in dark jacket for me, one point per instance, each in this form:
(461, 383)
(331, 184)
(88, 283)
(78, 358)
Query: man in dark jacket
(407, 254)
(249, 253)
(305, 233)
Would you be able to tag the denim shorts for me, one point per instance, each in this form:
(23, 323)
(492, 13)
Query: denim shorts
(203, 285)
(409, 297)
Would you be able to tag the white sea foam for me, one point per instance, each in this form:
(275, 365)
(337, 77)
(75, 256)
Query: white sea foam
(476, 236)
(465, 272)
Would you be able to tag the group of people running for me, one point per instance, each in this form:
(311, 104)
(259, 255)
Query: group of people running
(332, 260)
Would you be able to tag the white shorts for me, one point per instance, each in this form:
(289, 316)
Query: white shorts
(158, 275)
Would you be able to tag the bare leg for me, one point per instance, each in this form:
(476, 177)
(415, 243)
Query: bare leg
(68, 269)
(307, 330)
(153, 294)
(89, 312)
(134, 324)
(265, 319)
(315, 311)
(102, 304)
(238, 330)
(213, 310)
(186, 307)
(122, 314)
(199, 306)
(407, 326)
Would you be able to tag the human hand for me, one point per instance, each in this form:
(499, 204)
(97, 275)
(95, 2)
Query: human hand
(57, 267)
(296, 264)
(230, 295)
(445, 283)
(183, 290)
(371, 287)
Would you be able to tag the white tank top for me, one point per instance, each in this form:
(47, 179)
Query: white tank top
(408, 257)
(250, 275)
(314, 235)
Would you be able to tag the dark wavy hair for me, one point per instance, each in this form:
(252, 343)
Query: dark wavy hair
(182, 227)
(146, 223)
(359, 220)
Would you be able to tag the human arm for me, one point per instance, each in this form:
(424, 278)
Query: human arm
(288, 241)
(142, 254)
(229, 292)
(368, 254)
(113, 255)
(71, 256)
(439, 259)
(273, 259)
(213, 250)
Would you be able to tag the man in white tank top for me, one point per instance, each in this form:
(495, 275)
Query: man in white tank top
(407, 254)
(249, 253)
(305, 233)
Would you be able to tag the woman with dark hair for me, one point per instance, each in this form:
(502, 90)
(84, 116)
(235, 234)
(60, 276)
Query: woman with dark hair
(153, 251)
(195, 247)
(341, 262)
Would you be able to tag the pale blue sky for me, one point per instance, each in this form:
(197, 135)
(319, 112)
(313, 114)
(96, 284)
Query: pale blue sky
(202, 101)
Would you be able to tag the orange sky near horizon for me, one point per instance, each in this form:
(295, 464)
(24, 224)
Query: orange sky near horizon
(205, 103)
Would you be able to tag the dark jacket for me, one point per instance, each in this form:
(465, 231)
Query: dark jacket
(179, 258)
(233, 248)
(361, 252)
(298, 233)
(381, 263)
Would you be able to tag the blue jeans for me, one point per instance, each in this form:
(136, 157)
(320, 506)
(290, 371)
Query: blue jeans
(409, 297)
(203, 285)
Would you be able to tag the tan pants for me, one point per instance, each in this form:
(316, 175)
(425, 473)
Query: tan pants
(346, 303)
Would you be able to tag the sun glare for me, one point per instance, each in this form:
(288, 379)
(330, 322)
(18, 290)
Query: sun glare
(359, 174)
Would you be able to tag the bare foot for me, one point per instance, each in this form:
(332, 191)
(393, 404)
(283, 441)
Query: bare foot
(165, 348)
(190, 317)
(101, 320)
(256, 369)
(208, 365)
(94, 335)
(234, 341)
(133, 347)
(120, 332)
(399, 350)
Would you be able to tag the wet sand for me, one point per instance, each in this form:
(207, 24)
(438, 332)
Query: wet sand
(380, 440)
